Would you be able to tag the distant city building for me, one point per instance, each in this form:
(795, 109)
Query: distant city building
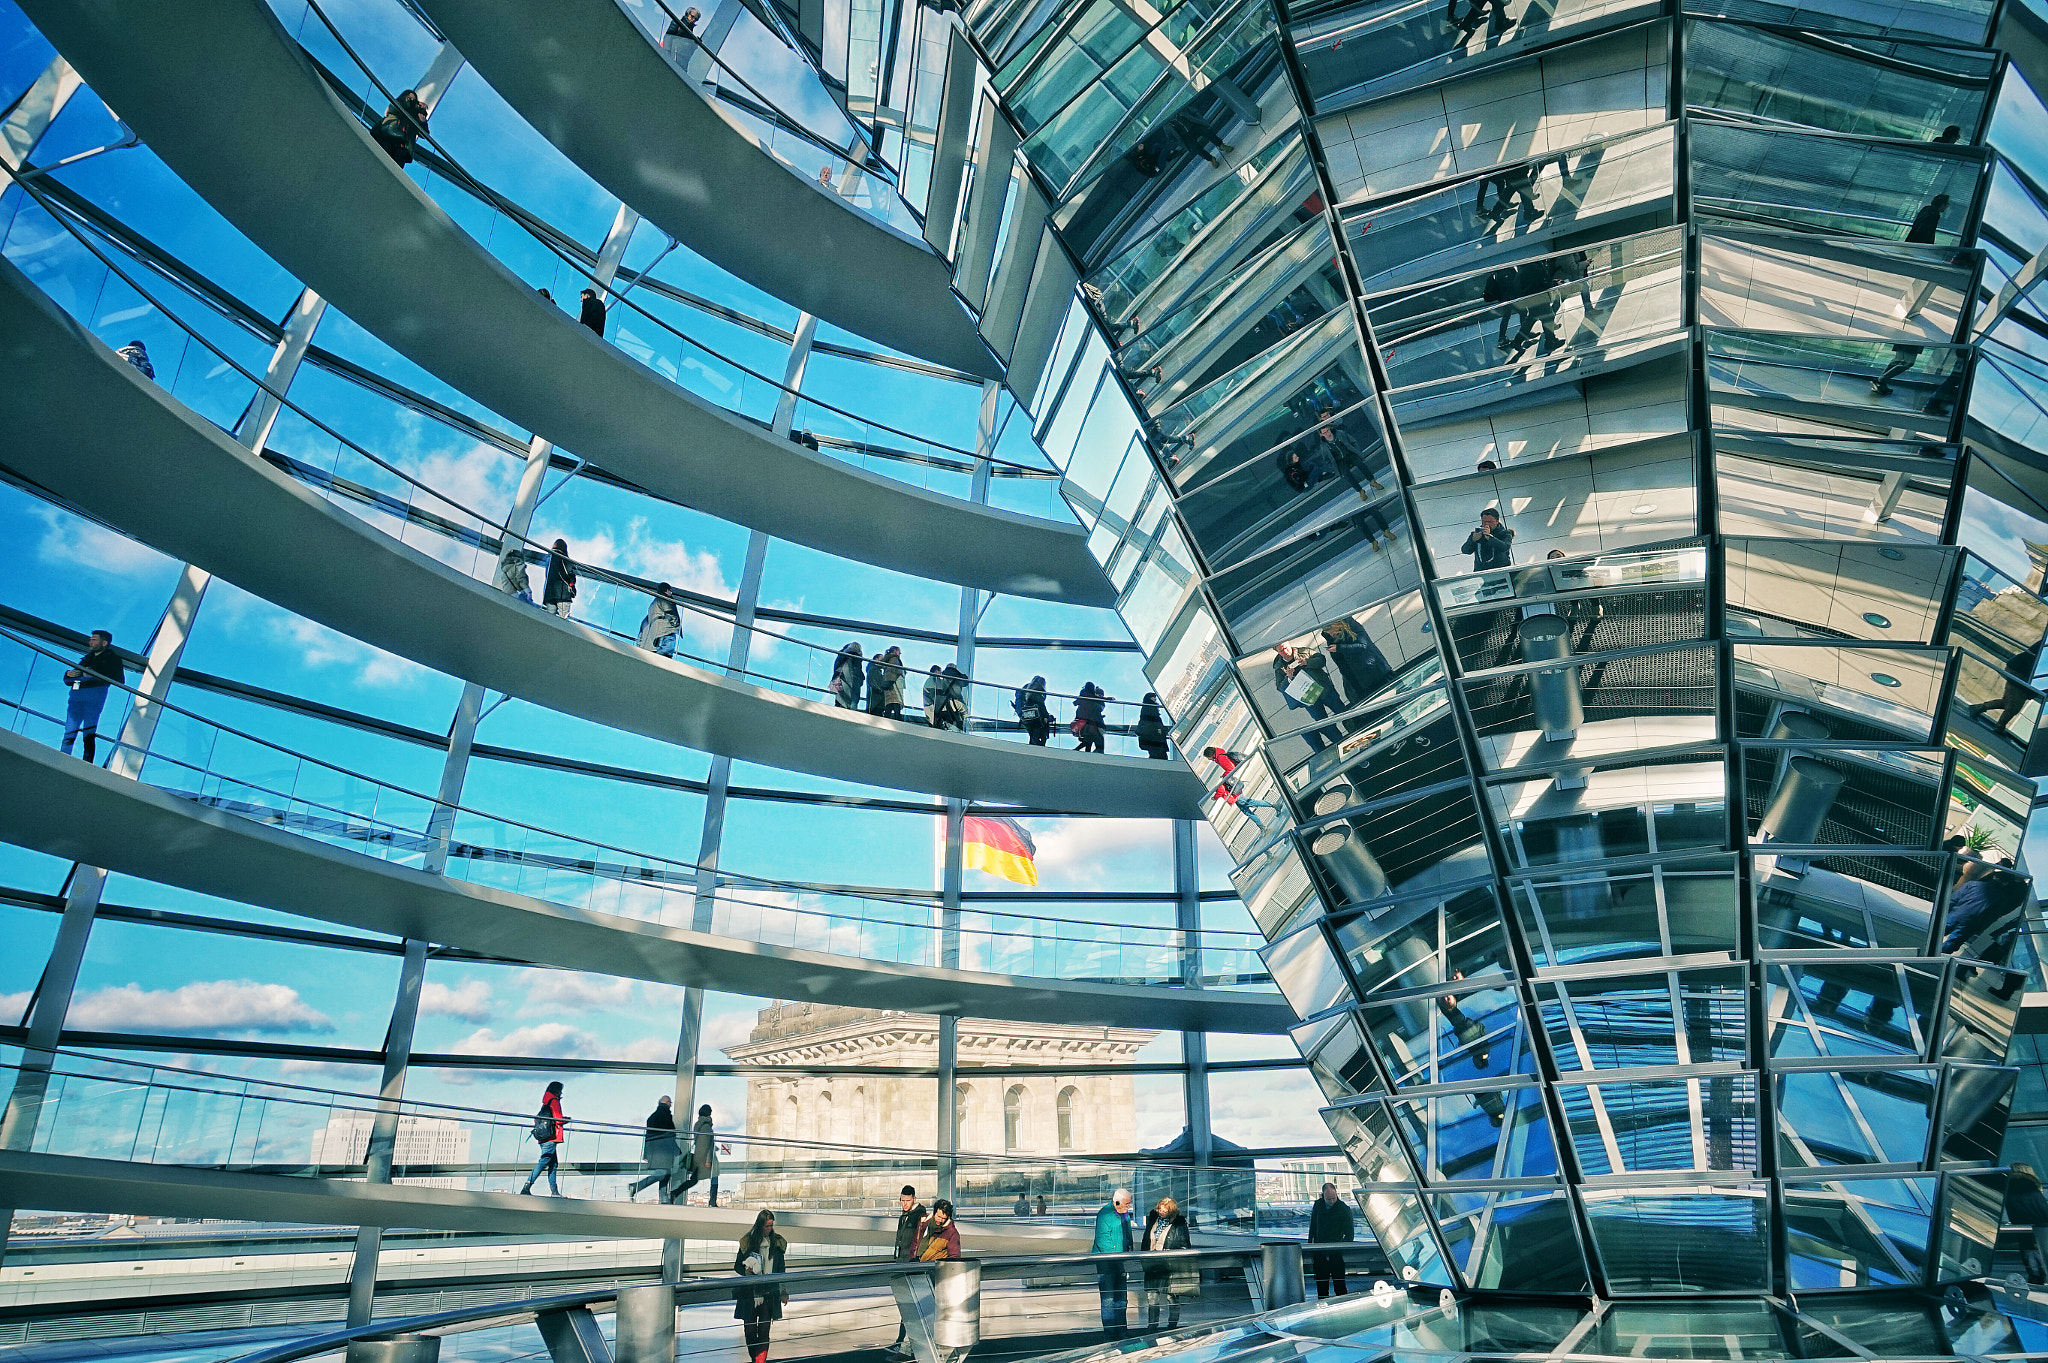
(419, 1141)
(1037, 1120)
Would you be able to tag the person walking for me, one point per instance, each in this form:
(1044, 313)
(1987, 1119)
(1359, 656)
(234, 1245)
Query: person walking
(512, 579)
(1167, 1283)
(702, 1160)
(658, 1150)
(2016, 693)
(1302, 677)
(1029, 703)
(1113, 1236)
(938, 1238)
(1088, 717)
(846, 678)
(550, 1129)
(878, 681)
(2026, 1208)
(950, 709)
(761, 1251)
(87, 681)
(908, 1220)
(1152, 734)
(931, 697)
(1491, 545)
(664, 620)
(592, 313)
(1329, 1223)
(558, 588)
(1927, 222)
(398, 132)
(137, 354)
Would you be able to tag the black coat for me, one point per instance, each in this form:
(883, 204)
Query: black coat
(1151, 729)
(1183, 1277)
(906, 1230)
(561, 580)
(1330, 1223)
(770, 1304)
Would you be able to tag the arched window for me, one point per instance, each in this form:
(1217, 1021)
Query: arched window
(857, 1118)
(1066, 1117)
(792, 1114)
(1013, 1118)
(821, 1118)
(961, 1093)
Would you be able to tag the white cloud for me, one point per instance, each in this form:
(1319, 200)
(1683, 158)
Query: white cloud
(317, 645)
(203, 1006)
(70, 542)
(13, 1006)
(576, 993)
(1083, 854)
(470, 1001)
(560, 1040)
(727, 1030)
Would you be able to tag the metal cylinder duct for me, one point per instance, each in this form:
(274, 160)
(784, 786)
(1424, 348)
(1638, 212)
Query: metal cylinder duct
(1802, 800)
(1280, 1276)
(402, 1348)
(1413, 963)
(1798, 724)
(1333, 798)
(1555, 690)
(1350, 863)
(956, 1297)
(644, 1325)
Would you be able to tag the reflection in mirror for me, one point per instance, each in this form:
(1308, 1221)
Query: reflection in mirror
(1482, 1134)
(1877, 900)
(1380, 754)
(1855, 591)
(1848, 1006)
(1832, 489)
(1336, 465)
(1598, 813)
(1336, 1052)
(1336, 666)
(1365, 1133)
(1472, 1033)
(2000, 623)
(1846, 187)
(1854, 1116)
(1987, 907)
(1711, 1240)
(1824, 385)
(1837, 81)
(1276, 889)
(1975, 1101)
(1521, 1239)
(1422, 943)
(1705, 1122)
(1611, 409)
(1757, 280)
(1307, 972)
(1232, 218)
(1983, 1008)
(1826, 795)
(1291, 591)
(1676, 1017)
(1684, 907)
(1601, 708)
(1668, 613)
(1605, 184)
(1975, 1205)
(1583, 507)
(1962, 21)
(1244, 804)
(1822, 691)
(1692, 1329)
(1858, 1232)
(1401, 846)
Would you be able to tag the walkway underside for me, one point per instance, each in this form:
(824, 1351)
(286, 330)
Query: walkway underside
(583, 74)
(279, 156)
(67, 808)
(94, 432)
(69, 1183)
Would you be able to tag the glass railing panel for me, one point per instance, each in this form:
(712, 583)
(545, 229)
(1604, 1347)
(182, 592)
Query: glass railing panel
(1847, 186)
(1867, 88)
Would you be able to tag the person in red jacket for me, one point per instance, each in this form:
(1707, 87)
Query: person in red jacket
(550, 1128)
(1227, 789)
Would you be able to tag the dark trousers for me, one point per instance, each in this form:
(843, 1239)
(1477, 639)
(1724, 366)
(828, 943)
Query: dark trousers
(1328, 1266)
(82, 707)
(1116, 1298)
(756, 1329)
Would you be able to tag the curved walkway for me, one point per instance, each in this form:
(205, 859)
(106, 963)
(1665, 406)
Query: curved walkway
(92, 430)
(67, 808)
(276, 153)
(74, 1183)
(587, 78)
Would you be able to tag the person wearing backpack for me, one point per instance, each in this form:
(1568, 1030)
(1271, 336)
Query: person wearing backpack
(1088, 716)
(549, 1129)
(848, 672)
(1152, 733)
(951, 711)
(1029, 703)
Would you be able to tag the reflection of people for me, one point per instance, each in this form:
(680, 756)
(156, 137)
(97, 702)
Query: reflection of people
(2026, 1207)
(2021, 665)
(1493, 13)
(1466, 1029)
(1927, 222)
(1303, 681)
(1982, 903)
(1359, 660)
(1229, 790)
(1904, 357)
(1514, 183)
(1344, 455)
(1491, 545)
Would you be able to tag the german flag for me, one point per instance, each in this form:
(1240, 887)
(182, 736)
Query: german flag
(1000, 847)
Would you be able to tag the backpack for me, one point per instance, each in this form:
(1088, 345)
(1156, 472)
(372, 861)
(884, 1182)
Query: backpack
(543, 1126)
(1500, 284)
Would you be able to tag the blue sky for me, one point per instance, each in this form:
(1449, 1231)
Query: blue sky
(154, 978)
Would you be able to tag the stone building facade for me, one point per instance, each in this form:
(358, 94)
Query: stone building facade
(1030, 1123)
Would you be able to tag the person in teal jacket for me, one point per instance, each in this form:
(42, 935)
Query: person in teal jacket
(1113, 1236)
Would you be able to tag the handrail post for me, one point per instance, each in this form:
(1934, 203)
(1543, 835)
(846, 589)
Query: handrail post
(644, 1329)
(918, 1306)
(572, 1336)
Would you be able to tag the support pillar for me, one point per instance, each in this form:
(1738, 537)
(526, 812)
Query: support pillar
(1194, 1046)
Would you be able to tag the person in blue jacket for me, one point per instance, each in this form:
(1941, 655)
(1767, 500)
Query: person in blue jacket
(1113, 1236)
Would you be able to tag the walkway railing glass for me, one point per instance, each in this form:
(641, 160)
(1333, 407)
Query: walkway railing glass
(223, 768)
(101, 1107)
(82, 275)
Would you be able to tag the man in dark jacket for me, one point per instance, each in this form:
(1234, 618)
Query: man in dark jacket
(1329, 1223)
(592, 315)
(907, 1221)
(1491, 545)
(87, 679)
